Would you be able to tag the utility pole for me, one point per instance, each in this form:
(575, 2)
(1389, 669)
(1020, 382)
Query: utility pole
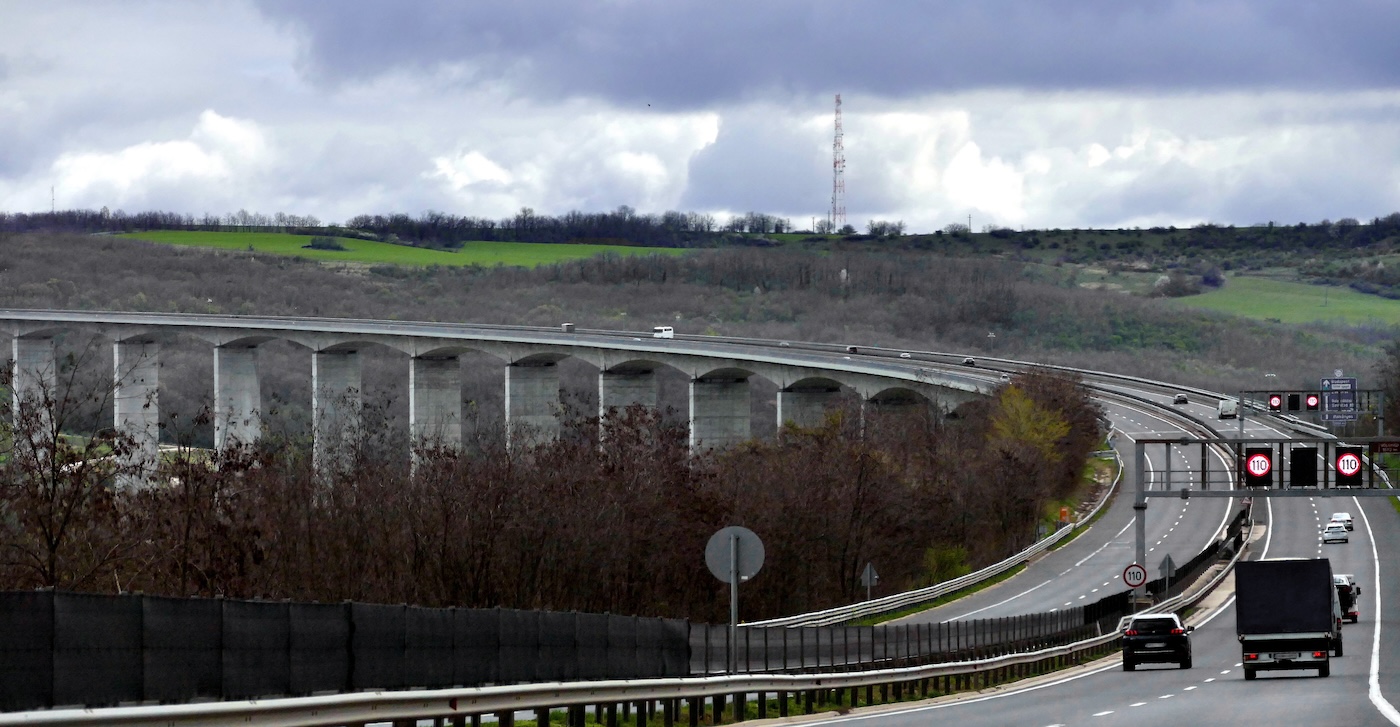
(838, 174)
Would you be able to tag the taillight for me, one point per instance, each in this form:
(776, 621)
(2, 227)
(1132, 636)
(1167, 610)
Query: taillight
(1251, 657)
(1130, 632)
(1178, 632)
(1319, 654)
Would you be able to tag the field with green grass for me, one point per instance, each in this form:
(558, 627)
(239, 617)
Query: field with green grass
(366, 252)
(1290, 302)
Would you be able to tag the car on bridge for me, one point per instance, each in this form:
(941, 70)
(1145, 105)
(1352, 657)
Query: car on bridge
(1180, 399)
(1335, 532)
(1342, 517)
(1157, 637)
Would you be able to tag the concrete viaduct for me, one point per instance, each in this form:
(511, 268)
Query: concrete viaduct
(808, 377)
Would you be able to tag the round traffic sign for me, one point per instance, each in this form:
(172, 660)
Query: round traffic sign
(1275, 401)
(728, 542)
(1134, 575)
(1348, 464)
(1258, 464)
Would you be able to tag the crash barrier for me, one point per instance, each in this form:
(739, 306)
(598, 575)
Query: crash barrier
(59, 648)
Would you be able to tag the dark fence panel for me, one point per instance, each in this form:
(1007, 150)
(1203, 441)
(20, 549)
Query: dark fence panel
(183, 644)
(377, 646)
(96, 649)
(320, 647)
(477, 636)
(257, 649)
(622, 644)
(428, 644)
(593, 646)
(26, 650)
(557, 658)
(519, 646)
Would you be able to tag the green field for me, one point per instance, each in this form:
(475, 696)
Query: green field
(372, 253)
(1290, 302)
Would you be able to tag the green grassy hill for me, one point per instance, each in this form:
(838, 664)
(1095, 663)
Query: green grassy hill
(370, 253)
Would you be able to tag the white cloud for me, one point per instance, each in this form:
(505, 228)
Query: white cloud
(220, 150)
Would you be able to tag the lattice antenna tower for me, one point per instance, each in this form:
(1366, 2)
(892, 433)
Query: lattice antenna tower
(838, 174)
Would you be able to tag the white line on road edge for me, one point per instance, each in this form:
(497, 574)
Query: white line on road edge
(998, 603)
(1382, 705)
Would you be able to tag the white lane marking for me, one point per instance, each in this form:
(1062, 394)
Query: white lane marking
(1103, 714)
(1190, 688)
(998, 603)
(1137, 704)
(1383, 705)
(1166, 696)
(1105, 545)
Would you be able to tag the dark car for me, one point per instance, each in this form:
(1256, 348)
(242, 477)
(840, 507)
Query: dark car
(1156, 638)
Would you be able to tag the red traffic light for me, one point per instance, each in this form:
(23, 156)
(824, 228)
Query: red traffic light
(1275, 402)
(1312, 401)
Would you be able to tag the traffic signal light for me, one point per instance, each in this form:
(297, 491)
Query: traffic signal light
(1302, 467)
(1348, 465)
(1295, 402)
(1313, 402)
(1259, 466)
(1275, 402)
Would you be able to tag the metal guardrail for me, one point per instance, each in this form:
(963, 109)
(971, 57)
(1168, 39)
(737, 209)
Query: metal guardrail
(898, 601)
(461, 703)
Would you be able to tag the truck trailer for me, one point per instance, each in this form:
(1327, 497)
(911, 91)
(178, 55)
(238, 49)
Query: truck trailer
(1287, 615)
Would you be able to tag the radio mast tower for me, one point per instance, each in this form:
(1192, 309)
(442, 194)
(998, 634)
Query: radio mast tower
(838, 175)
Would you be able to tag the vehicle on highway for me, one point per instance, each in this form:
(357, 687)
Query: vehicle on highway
(969, 361)
(663, 332)
(1335, 533)
(1179, 399)
(1158, 637)
(1227, 409)
(1342, 517)
(1349, 596)
(1287, 615)
(852, 349)
(1006, 377)
(905, 355)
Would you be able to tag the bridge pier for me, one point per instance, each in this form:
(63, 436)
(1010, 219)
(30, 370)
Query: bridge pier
(805, 406)
(335, 408)
(136, 407)
(719, 412)
(532, 402)
(237, 396)
(621, 389)
(435, 402)
(35, 377)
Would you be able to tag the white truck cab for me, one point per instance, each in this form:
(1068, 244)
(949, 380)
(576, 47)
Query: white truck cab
(1227, 409)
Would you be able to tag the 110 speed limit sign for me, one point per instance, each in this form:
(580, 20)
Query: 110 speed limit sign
(1134, 575)
(1348, 464)
(1258, 465)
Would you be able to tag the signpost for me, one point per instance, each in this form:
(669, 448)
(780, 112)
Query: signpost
(869, 578)
(1166, 569)
(734, 554)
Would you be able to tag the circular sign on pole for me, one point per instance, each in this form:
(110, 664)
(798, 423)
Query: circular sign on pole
(1258, 464)
(1134, 575)
(718, 553)
(1348, 464)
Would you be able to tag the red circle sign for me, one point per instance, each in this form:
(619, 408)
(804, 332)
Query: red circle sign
(1134, 575)
(1348, 464)
(1258, 464)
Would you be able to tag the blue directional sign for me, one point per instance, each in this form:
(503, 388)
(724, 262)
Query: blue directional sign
(1339, 395)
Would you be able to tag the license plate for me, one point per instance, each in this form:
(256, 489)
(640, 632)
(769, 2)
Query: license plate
(1157, 645)
(1286, 655)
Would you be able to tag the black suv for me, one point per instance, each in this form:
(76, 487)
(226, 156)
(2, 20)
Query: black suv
(1156, 638)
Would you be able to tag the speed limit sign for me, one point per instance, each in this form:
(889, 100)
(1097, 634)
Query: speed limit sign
(1348, 464)
(1134, 575)
(1259, 465)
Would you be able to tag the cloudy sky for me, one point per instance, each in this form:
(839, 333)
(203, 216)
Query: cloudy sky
(1035, 113)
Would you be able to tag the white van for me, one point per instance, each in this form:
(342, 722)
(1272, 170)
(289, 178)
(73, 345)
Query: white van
(1227, 409)
(663, 332)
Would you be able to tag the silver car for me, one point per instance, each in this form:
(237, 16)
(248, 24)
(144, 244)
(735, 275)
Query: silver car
(1335, 533)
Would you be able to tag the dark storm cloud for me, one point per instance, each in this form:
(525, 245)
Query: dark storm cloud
(689, 53)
